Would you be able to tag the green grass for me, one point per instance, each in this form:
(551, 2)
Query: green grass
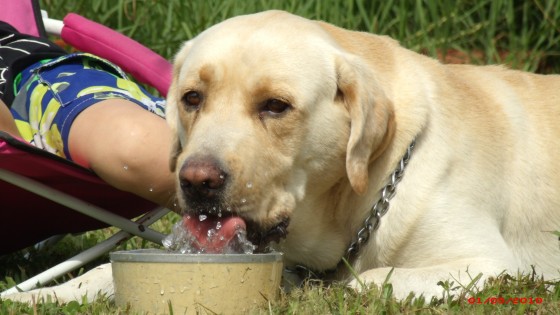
(522, 34)
(524, 294)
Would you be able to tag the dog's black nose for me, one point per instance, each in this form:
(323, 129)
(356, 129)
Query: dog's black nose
(202, 178)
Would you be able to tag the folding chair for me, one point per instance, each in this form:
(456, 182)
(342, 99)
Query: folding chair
(52, 194)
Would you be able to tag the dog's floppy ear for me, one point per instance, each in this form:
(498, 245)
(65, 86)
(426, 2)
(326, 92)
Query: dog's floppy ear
(172, 106)
(371, 117)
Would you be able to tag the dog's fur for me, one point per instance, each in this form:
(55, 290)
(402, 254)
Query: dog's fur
(481, 193)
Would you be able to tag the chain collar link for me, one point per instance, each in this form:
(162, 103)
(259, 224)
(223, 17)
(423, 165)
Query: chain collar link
(371, 223)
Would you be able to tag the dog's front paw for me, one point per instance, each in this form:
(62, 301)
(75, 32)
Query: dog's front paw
(385, 279)
(358, 285)
(371, 277)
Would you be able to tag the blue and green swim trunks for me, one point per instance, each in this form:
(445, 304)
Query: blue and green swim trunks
(51, 94)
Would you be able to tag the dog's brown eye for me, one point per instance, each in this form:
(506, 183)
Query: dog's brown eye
(192, 100)
(274, 107)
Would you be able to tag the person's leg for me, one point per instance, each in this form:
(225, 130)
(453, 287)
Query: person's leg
(7, 120)
(78, 108)
(122, 143)
(127, 146)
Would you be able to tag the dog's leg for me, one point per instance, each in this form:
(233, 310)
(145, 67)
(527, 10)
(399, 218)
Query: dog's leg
(94, 284)
(425, 280)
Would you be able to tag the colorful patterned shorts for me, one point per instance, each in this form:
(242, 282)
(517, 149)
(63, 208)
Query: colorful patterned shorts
(51, 94)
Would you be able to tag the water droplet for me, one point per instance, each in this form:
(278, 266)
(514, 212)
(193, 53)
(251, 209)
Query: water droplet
(162, 292)
(221, 176)
(219, 214)
(228, 209)
(125, 167)
(151, 189)
(243, 200)
(183, 241)
(249, 185)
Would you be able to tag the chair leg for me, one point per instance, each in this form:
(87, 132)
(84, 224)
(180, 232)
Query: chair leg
(84, 257)
(81, 206)
(49, 242)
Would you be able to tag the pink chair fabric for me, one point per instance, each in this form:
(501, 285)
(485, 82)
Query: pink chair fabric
(23, 15)
(142, 63)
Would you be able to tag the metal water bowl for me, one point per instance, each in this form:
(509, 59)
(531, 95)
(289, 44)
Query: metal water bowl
(160, 282)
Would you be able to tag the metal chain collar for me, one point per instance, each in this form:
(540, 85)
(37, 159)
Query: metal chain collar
(371, 223)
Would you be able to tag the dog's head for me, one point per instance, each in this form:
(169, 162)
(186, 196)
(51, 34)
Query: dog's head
(269, 112)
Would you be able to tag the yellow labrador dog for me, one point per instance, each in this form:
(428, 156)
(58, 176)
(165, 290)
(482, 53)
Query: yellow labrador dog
(317, 137)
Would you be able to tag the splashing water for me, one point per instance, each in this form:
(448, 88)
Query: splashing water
(183, 241)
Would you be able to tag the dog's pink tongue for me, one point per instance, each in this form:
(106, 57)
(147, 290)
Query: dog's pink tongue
(213, 233)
